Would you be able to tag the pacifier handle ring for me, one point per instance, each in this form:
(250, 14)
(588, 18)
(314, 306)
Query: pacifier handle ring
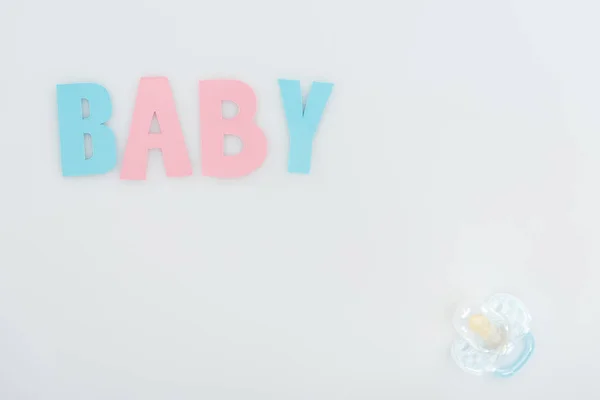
(509, 371)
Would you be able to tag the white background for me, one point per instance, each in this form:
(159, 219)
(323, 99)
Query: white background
(458, 156)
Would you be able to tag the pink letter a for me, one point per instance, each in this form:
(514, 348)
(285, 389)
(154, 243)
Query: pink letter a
(154, 96)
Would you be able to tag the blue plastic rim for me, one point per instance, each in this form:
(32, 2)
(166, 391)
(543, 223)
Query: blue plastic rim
(510, 370)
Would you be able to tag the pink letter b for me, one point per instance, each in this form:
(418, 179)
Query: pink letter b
(213, 128)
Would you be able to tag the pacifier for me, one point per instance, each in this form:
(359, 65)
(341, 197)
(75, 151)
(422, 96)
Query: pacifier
(494, 336)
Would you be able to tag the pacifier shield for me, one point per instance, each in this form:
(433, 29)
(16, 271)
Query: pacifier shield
(494, 336)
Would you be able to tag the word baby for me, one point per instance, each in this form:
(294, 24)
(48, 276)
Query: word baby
(154, 97)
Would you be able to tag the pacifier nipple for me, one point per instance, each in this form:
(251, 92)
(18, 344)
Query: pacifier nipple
(481, 326)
